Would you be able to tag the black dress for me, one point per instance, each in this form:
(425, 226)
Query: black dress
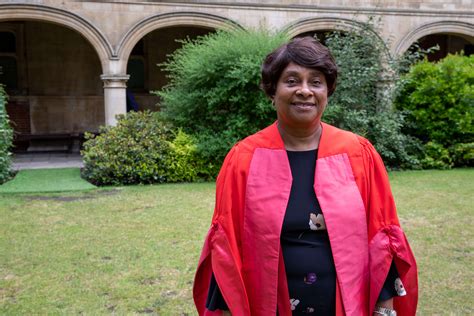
(309, 265)
(306, 249)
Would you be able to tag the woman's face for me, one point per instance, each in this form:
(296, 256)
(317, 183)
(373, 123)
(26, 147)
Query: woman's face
(301, 96)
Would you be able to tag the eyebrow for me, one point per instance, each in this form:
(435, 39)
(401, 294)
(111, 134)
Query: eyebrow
(315, 73)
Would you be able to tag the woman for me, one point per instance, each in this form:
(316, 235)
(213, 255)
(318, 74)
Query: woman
(305, 222)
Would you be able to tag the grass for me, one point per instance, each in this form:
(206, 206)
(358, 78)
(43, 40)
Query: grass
(46, 180)
(134, 250)
(436, 209)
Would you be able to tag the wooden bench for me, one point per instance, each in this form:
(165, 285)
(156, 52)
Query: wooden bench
(58, 142)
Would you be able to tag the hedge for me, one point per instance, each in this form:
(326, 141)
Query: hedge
(6, 138)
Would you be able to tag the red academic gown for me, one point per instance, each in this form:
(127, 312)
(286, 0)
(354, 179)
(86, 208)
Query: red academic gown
(242, 247)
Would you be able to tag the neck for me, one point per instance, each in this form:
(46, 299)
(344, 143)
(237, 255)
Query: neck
(300, 139)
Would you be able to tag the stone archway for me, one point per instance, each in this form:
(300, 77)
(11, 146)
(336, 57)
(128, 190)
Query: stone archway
(325, 24)
(59, 58)
(142, 28)
(12, 12)
(115, 82)
(150, 51)
(440, 27)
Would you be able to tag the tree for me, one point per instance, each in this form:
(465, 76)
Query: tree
(214, 93)
(438, 99)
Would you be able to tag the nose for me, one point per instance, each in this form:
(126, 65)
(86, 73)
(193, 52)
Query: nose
(304, 91)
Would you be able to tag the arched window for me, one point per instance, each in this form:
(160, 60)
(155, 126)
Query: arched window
(8, 60)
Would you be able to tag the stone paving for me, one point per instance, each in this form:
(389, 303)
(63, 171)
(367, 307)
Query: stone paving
(46, 160)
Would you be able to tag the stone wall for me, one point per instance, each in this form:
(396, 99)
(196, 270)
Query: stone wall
(65, 114)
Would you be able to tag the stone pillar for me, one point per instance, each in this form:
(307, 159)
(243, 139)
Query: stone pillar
(115, 97)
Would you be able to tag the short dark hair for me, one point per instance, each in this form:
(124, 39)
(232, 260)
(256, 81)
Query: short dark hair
(304, 51)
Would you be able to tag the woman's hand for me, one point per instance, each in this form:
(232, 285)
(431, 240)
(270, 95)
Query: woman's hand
(226, 313)
(388, 305)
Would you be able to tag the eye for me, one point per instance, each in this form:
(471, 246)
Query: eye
(291, 81)
(316, 82)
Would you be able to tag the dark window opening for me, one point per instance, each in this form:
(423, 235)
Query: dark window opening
(447, 44)
(8, 72)
(7, 42)
(468, 49)
(136, 70)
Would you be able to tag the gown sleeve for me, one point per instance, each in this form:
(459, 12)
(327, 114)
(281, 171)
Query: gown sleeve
(388, 244)
(220, 255)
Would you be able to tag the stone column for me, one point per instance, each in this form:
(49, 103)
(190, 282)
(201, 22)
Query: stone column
(115, 96)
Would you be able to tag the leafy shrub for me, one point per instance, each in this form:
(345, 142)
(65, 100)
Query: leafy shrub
(436, 157)
(462, 154)
(6, 138)
(385, 130)
(183, 161)
(439, 101)
(213, 92)
(362, 102)
(142, 148)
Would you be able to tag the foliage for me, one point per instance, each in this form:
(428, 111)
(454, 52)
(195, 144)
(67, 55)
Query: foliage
(462, 154)
(397, 149)
(142, 148)
(362, 101)
(183, 161)
(436, 157)
(213, 91)
(6, 138)
(439, 101)
(412, 56)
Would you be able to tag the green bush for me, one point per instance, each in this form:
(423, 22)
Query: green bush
(362, 102)
(436, 157)
(438, 99)
(462, 154)
(142, 148)
(213, 93)
(6, 138)
(183, 161)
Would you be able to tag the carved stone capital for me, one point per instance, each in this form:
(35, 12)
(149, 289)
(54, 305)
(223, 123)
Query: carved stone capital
(115, 81)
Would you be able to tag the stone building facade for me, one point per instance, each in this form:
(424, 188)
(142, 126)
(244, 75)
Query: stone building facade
(72, 65)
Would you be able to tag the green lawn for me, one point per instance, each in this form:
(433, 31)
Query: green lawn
(133, 250)
(46, 180)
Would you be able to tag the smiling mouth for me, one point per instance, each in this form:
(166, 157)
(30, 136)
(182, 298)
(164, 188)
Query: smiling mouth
(303, 105)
